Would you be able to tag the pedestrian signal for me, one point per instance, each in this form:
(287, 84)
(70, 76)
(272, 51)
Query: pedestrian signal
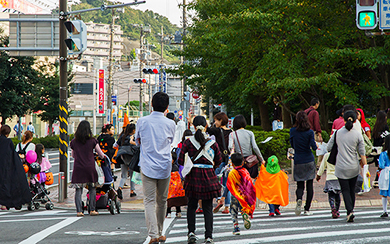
(140, 80)
(77, 39)
(366, 14)
(150, 71)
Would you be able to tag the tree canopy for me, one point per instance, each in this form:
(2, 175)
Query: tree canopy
(244, 53)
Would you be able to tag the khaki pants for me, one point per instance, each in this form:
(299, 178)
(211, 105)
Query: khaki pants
(319, 158)
(155, 201)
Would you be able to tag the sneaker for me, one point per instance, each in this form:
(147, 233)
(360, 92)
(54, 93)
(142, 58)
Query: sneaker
(226, 211)
(338, 213)
(192, 238)
(298, 207)
(277, 211)
(350, 217)
(178, 215)
(335, 213)
(271, 214)
(236, 230)
(307, 213)
(93, 213)
(153, 241)
(168, 216)
(162, 239)
(120, 194)
(133, 194)
(218, 207)
(125, 186)
(80, 214)
(384, 215)
(209, 241)
(199, 210)
(247, 222)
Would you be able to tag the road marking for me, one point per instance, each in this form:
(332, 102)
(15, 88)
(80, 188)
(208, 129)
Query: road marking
(48, 231)
(101, 233)
(36, 219)
(52, 212)
(307, 236)
(167, 224)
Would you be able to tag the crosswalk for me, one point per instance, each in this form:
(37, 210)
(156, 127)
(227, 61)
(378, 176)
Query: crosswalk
(288, 228)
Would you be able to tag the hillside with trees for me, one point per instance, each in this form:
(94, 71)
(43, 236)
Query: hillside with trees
(130, 17)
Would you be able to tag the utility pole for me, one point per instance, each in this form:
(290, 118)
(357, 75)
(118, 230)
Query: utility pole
(63, 117)
(162, 44)
(109, 92)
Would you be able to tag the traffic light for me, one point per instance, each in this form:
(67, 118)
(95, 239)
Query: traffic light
(150, 71)
(187, 95)
(77, 41)
(366, 14)
(140, 80)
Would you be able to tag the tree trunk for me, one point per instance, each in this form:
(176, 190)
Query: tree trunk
(323, 115)
(3, 120)
(286, 114)
(50, 127)
(264, 117)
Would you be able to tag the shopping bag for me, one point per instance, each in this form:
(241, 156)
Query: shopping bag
(366, 187)
(136, 178)
(100, 174)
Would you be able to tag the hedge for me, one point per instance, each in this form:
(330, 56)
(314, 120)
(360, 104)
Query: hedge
(47, 142)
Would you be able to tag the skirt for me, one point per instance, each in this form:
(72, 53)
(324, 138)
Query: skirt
(304, 172)
(332, 186)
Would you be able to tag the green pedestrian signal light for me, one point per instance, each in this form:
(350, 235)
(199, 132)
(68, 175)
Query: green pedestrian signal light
(367, 19)
(77, 36)
(366, 14)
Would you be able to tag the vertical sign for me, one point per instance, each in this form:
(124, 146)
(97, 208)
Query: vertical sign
(384, 14)
(101, 91)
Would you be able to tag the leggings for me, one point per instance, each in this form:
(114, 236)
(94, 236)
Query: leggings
(235, 208)
(124, 172)
(169, 209)
(207, 206)
(348, 190)
(92, 199)
(334, 200)
(309, 192)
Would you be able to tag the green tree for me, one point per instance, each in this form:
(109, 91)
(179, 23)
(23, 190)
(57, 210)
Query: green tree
(243, 53)
(48, 92)
(18, 81)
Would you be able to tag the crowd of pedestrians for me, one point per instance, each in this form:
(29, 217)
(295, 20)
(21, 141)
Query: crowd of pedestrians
(198, 165)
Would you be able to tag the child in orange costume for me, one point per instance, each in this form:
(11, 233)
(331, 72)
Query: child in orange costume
(272, 186)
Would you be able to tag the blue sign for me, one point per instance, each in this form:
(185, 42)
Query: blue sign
(113, 98)
(384, 14)
(175, 111)
(162, 79)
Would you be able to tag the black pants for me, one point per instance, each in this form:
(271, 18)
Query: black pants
(348, 190)
(207, 206)
(334, 200)
(309, 192)
(169, 210)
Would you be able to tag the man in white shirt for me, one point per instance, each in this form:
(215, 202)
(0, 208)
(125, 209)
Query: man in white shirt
(31, 128)
(154, 135)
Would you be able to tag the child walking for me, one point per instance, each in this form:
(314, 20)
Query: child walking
(384, 164)
(176, 194)
(272, 186)
(243, 192)
(332, 186)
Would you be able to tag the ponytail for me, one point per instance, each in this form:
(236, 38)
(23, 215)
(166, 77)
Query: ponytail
(200, 123)
(349, 118)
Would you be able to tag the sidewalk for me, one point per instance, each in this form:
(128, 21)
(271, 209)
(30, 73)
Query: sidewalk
(320, 199)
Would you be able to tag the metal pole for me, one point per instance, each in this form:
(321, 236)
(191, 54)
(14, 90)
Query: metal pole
(162, 44)
(94, 97)
(61, 183)
(63, 117)
(140, 72)
(109, 92)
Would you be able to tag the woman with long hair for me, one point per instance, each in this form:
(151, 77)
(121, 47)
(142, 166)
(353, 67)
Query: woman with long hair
(350, 144)
(126, 139)
(84, 171)
(380, 131)
(201, 183)
(26, 144)
(302, 140)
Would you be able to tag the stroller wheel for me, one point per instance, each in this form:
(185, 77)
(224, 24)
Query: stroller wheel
(37, 205)
(112, 207)
(118, 206)
(31, 206)
(49, 206)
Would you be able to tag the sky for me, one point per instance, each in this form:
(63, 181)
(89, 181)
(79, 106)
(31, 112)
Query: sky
(168, 8)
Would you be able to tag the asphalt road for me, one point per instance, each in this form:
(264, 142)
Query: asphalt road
(62, 226)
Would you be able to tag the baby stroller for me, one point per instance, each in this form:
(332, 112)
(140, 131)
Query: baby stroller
(106, 196)
(39, 194)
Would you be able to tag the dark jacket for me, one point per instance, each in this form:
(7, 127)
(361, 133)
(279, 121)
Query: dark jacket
(278, 112)
(302, 142)
(106, 143)
(14, 190)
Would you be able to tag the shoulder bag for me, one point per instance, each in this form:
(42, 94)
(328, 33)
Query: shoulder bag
(251, 160)
(333, 151)
(367, 143)
(224, 149)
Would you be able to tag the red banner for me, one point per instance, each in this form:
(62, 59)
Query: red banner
(101, 91)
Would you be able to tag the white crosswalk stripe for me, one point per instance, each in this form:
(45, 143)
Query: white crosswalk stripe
(288, 228)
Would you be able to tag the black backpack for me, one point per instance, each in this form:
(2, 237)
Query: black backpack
(22, 151)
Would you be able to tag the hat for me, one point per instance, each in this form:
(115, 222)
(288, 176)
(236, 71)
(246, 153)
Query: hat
(273, 165)
(125, 121)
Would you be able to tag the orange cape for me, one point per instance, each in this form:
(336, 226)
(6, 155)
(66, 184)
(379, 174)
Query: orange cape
(272, 188)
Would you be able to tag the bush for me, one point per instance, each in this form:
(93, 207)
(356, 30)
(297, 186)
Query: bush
(47, 142)
(253, 128)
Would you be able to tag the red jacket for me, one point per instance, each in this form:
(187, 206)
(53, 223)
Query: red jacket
(314, 119)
